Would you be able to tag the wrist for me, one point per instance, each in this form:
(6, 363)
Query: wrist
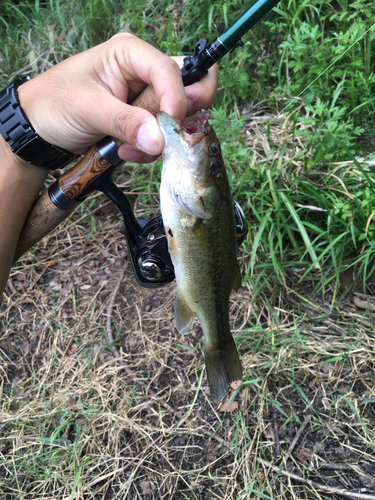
(14, 169)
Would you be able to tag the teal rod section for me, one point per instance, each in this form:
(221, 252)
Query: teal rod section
(207, 54)
(253, 14)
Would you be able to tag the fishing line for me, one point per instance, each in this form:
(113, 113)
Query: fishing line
(293, 99)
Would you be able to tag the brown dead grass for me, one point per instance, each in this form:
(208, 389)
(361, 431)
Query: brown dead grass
(78, 422)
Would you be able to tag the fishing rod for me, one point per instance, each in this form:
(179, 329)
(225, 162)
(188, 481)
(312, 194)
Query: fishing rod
(207, 54)
(145, 239)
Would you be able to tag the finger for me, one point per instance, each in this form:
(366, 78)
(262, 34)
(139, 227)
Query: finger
(131, 154)
(147, 64)
(130, 124)
(169, 88)
(201, 94)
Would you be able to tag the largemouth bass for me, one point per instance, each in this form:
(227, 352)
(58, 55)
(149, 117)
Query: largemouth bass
(198, 216)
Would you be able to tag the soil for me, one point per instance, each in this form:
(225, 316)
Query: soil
(329, 451)
(116, 397)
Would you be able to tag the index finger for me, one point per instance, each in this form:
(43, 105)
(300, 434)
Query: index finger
(201, 94)
(167, 82)
(131, 63)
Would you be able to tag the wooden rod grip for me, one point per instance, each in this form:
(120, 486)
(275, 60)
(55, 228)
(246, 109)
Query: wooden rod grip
(77, 179)
(44, 215)
(148, 100)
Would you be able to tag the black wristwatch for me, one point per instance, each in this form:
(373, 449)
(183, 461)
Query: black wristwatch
(22, 138)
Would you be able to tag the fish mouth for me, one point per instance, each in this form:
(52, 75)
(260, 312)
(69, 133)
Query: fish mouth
(186, 160)
(196, 127)
(193, 131)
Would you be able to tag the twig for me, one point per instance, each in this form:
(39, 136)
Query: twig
(47, 266)
(211, 434)
(317, 486)
(315, 314)
(343, 467)
(364, 301)
(276, 428)
(11, 286)
(110, 309)
(298, 435)
(163, 403)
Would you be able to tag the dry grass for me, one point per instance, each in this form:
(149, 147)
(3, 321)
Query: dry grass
(78, 422)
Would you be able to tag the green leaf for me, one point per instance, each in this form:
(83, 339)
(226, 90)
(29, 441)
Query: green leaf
(301, 229)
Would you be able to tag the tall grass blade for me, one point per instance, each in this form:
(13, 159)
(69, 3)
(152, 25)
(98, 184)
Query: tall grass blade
(301, 229)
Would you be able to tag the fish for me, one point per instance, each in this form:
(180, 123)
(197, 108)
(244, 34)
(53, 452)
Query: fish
(198, 216)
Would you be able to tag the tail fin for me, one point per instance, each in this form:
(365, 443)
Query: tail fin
(223, 367)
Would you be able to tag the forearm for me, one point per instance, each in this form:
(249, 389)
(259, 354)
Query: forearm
(20, 184)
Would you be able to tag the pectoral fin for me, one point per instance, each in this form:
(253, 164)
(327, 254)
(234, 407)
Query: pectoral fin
(183, 315)
(202, 233)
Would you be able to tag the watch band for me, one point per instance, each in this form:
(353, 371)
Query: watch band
(22, 138)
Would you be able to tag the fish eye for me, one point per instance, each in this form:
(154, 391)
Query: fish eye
(214, 149)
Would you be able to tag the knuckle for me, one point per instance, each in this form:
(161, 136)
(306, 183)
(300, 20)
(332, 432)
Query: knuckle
(171, 64)
(123, 36)
(125, 125)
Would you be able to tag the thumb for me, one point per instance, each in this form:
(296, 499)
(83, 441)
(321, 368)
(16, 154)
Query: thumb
(131, 124)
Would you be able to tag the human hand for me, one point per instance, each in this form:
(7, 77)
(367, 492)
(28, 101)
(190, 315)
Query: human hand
(82, 99)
